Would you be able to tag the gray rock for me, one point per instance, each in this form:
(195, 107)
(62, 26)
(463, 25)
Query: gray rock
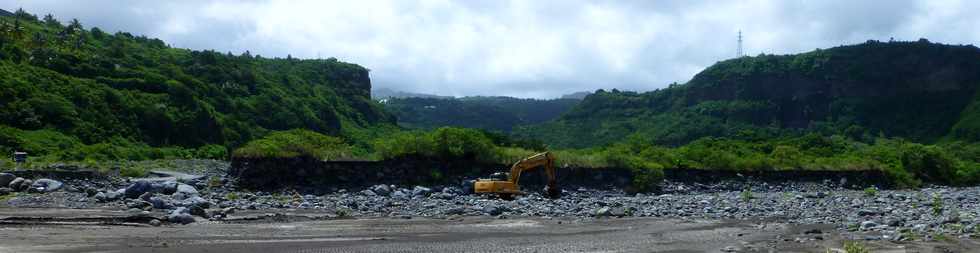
(421, 191)
(155, 222)
(6, 178)
(603, 212)
(493, 210)
(5, 191)
(381, 189)
(160, 203)
(456, 211)
(865, 225)
(180, 216)
(867, 212)
(399, 194)
(187, 190)
(168, 187)
(199, 211)
(139, 187)
(17, 183)
(196, 201)
(368, 192)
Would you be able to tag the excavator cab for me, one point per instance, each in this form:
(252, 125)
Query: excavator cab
(506, 185)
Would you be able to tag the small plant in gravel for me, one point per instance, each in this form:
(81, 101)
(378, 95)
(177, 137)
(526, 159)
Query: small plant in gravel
(746, 195)
(937, 204)
(343, 212)
(855, 247)
(232, 196)
(871, 191)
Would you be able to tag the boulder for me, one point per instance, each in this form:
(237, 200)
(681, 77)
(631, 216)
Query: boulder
(6, 178)
(493, 210)
(196, 201)
(180, 215)
(139, 187)
(108, 196)
(168, 187)
(16, 184)
(5, 191)
(381, 189)
(160, 203)
(603, 212)
(45, 185)
(421, 191)
(187, 190)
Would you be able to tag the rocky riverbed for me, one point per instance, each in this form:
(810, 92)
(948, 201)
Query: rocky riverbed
(899, 215)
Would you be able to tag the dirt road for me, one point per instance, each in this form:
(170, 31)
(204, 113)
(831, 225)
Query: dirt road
(52, 232)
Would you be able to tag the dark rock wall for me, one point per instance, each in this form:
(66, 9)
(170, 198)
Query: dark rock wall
(267, 174)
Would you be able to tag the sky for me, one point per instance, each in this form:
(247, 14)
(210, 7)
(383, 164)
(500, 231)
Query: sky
(530, 48)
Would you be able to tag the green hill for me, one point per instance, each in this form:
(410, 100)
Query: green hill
(488, 113)
(920, 91)
(83, 91)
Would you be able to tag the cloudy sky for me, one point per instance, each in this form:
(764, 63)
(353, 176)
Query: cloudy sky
(522, 48)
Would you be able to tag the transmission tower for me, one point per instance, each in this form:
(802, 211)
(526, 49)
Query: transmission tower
(739, 54)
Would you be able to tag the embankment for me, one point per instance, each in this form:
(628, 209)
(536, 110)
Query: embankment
(278, 173)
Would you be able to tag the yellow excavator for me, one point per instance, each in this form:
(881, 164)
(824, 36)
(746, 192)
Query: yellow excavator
(506, 185)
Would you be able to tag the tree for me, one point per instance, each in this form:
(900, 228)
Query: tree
(49, 20)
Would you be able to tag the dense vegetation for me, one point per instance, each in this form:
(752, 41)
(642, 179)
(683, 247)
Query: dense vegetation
(866, 106)
(920, 91)
(910, 109)
(488, 113)
(76, 93)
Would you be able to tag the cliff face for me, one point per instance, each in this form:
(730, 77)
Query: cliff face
(916, 90)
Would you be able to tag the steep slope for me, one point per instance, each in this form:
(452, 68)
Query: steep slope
(916, 90)
(488, 113)
(89, 87)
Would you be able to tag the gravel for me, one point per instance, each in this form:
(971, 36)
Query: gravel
(895, 214)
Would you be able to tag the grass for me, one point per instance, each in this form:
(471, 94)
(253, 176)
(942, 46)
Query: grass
(871, 191)
(298, 142)
(856, 247)
(746, 195)
(232, 196)
(937, 204)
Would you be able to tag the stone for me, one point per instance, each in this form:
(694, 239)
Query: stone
(196, 201)
(399, 194)
(865, 225)
(493, 210)
(421, 191)
(199, 211)
(867, 212)
(6, 178)
(603, 212)
(160, 203)
(138, 188)
(456, 211)
(382, 190)
(168, 187)
(180, 217)
(155, 222)
(5, 191)
(187, 190)
(16, 184)
(368, 192)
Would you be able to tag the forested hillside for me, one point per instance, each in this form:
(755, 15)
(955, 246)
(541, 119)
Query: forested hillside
(78, 92)
(488, 113)
(919, 91)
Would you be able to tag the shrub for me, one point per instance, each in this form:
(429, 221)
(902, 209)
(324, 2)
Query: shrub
(212, 151)
(297, 142)
(871, 191)
(132, 171)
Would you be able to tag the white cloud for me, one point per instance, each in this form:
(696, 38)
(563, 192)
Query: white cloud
(522, 48)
